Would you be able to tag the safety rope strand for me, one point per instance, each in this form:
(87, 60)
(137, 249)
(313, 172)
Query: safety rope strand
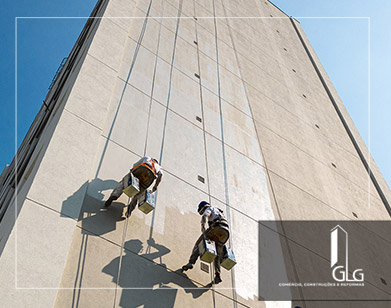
(223, 150)
(140, 39)
(134, 58)
(120, 258)
(166, 113)
(163, 4)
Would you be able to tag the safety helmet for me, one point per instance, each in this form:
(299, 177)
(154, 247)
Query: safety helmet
(202, 205)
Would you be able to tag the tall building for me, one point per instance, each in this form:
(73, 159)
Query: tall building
(232, 100)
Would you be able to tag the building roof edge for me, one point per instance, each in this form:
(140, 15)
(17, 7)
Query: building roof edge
(282, 11)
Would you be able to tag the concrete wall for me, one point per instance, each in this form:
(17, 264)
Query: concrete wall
(265, 146)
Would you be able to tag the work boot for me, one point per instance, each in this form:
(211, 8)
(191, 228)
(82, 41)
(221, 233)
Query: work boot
(109, 201)
(217, 279)
(187, 267)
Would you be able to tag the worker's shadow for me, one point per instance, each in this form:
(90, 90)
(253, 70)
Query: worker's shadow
(145, 283)
(93, 216)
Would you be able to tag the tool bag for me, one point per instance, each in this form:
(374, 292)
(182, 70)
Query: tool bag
(207, 250)
(133, 187)
(228, 261)
(146, 202)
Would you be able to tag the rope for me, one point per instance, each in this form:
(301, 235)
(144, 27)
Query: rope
(148, 250)
(140, 39)
(120, 260)
(204, 134)
(202, 107)
(168, 102)
(135, 54)
(154, 76)
(234, 295)
(221, 121)
(80, 270)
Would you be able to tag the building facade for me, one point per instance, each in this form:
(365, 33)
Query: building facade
(231, 99)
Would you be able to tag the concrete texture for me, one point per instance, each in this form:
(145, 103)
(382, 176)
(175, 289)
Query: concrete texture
(232, 100)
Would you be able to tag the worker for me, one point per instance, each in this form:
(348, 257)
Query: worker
(147, 170)
(218, 231)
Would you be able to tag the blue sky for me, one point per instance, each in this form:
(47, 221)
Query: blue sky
(360, 74)
(340, 43)
(42, 44)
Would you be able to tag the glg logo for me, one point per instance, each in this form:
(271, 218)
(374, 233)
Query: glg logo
(341, 272)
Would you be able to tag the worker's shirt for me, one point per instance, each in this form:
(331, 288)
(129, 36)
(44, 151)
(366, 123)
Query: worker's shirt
(210, 214)
(146, 177)
(148, 160)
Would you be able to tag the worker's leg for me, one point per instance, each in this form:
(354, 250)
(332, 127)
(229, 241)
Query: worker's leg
(131, 206)
(194, 255)
(133, 203)
(117, 191)
(217, 262)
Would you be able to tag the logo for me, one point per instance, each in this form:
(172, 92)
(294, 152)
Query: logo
(340, 273)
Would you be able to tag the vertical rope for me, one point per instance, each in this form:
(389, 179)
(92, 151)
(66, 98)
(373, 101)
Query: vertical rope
(154, 75)
(202, 106)
(234, 295)
(135, 54)
(120, 261)
(148, 250)
(221, 122)
(203, 130)
(167, 105)
(82, 255)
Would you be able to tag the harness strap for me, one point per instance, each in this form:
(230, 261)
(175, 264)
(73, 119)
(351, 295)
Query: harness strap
(152, 169)
(220, 221)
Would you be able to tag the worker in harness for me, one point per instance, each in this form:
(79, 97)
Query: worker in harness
(147, 170)
(218, 231)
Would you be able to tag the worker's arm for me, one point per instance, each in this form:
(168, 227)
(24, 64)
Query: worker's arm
(204, 219)
(158, 180)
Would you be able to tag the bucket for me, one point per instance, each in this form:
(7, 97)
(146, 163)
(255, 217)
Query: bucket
(133, 186)
(146, 202)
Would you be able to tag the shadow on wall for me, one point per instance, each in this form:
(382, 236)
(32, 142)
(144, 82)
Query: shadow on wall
(93, 216)
(145, 283)
(93, 219)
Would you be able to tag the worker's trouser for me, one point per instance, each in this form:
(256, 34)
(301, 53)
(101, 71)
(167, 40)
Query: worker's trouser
(117, 192)
(219, 249)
